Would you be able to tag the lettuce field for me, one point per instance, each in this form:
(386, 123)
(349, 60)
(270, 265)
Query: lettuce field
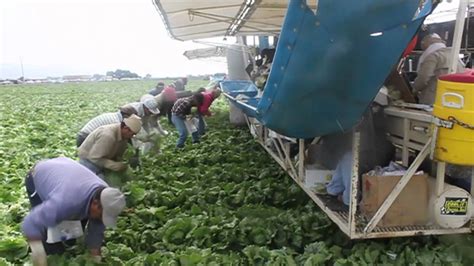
(221, 202)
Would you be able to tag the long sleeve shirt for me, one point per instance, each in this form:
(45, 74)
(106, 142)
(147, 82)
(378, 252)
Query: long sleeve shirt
(101, 120)
(179, 85)
(182, 107)
(104, 146)
(155, 91)
(135, 108)
(148, 121)
(66, 189)
(433, 66)
(206, 104)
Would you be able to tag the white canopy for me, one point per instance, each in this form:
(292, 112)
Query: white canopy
(198, 19)
(217, 51)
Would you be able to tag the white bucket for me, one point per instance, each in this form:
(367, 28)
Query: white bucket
(453, 208)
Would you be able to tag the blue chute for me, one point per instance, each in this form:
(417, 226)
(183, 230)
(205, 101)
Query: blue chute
(329, 66)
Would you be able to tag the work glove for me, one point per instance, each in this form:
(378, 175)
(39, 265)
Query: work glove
(143, 135)
(96, 258)
(153, 133)
(118, 166)
(135, 160)
(38, 254)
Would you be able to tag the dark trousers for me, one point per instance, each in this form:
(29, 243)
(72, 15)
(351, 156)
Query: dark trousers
(201, 125)
(35, 200)
(168, 114)
(80, 139)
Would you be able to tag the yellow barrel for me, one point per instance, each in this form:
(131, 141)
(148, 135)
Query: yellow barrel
(455, 102)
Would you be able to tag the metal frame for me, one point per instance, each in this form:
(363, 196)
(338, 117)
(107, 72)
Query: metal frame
(351, 222)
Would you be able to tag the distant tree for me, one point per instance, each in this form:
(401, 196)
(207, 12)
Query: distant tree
(148, 76)
(120, 74)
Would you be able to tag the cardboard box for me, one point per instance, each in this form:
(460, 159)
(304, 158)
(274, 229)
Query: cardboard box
(409, 208)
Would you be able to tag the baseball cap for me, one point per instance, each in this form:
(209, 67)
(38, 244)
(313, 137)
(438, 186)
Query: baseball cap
(152, 106)
(133, 122)
(113, 203)
(430, 39)
(435, 36)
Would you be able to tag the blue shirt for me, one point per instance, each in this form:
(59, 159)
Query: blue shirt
(66, 189)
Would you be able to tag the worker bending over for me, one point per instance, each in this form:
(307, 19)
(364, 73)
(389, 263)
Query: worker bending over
(148, 110)
(96, 122)
(65, 194)
(203, 110)
(180, 112)
(105, 146)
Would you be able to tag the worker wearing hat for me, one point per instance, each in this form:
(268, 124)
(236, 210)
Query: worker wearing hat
(145, 107)
(148, 110)
(180, 84)
(433, 63)
(105, 146)
(157, 89)
(164, 102)
(63, 193)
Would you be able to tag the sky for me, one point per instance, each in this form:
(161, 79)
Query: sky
(66, 37)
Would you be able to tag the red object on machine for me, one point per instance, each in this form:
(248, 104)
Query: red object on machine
(410, 46)
(465, 77)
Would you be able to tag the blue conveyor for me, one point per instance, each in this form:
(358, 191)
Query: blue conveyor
(329, 66)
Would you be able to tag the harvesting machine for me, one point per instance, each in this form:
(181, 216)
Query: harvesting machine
(332, 59)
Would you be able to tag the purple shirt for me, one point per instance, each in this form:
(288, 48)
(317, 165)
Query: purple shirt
(66, 189)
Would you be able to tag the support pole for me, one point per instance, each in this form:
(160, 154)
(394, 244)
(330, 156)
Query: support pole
(457, 38)
(354, 183)
(406, 141)
(301, 173)
(287, 158)
(472, 181)
(440, 172)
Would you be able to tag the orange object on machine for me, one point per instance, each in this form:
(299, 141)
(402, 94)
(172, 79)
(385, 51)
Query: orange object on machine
(455, 103)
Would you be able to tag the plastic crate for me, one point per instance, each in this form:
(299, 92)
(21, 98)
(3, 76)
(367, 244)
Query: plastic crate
(236, 87)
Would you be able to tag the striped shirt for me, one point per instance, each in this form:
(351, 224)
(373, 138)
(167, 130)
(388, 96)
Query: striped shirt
(135, 108)
(101, 120)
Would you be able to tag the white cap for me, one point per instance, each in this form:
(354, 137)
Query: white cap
(435, 36)
(430, 39)
(152, 106)
(113, 203)
(133, 122)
